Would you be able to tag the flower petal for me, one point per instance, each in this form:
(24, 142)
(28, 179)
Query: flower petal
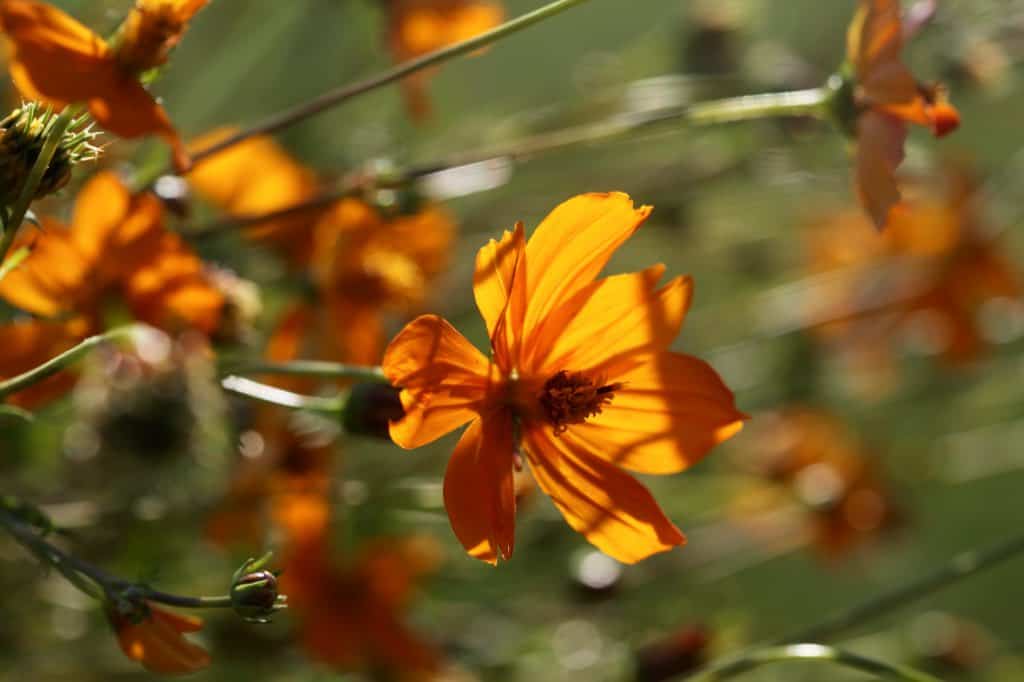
(570, 248)
(479, 493)
(611, 508)
(499, 286)
(58, 60)
(620, 316)
(52, 278)
(444, 380)
(668, 414)
(880, 140)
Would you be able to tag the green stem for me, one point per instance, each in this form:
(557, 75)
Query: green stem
(750, 107)
(334, 97)
(93, 580)
(773, 104)
(17, 215)
(65, 359)
(277, 396)
(88, 581)
(810, 652)
(310, 368)
(959, 567)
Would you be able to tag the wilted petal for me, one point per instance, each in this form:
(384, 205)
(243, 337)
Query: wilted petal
(880, 140)
(157, 642)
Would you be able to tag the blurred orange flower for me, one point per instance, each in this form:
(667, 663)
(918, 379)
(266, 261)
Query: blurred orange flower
(934, 270)
(155, 640)
(887, 97)
(581, 378)
(362, 263)
(30, 343)
(822, 462)
(226, 180)
(116, 249)
(350, 614)
(284, 481)
(57, 60)
(416, 27)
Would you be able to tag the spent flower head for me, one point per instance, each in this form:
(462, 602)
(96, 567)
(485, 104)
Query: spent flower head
(23, 132)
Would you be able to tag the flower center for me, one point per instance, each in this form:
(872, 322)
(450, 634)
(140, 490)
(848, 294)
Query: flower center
(572, 398)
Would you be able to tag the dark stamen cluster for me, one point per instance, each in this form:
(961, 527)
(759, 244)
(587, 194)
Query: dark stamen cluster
(572, 398)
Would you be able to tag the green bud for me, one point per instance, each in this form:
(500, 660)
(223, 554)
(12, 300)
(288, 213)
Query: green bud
(254, 591)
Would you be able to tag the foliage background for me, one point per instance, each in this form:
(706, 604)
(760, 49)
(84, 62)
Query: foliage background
(732, 208)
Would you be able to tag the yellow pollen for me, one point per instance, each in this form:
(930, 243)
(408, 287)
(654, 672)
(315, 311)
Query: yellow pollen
(572, 398)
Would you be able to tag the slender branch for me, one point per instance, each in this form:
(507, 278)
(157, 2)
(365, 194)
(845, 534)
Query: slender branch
(62, 361)
(810, 102)
(810, 652)
(961, 566)
(335, 97)
(749, 107)
(13, 222)
(310, 368)
(277, 396)
(85, 577)
(92, 579)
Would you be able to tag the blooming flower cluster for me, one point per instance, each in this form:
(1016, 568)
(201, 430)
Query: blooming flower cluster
(579, 384)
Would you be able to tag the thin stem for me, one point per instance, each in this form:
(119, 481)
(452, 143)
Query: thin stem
(277, 396)
(961, 566)
(334, 97)
(62, 361)
(91, 579)
(17, 216)
(310, 368)
(810, 652)
(78, 573)
(794, 103)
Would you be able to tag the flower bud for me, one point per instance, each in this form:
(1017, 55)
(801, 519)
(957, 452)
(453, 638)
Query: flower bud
(371, 406)
(254, 591)
(254, 596)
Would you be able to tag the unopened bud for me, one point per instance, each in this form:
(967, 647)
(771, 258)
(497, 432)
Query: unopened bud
(370, 408)
(254, 591)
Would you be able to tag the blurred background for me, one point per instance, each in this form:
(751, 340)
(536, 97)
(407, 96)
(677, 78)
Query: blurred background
(882, 373)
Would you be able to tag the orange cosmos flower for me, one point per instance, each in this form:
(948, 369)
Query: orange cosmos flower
(363, 263)
(887, 97)
(116, 248)
(285, 479)
(116, 245)
(831, 473)
(416, 27)
(350, 614)
(155, 639)
(580, 379)
(935, 269)
(57, 60)
(226, 180)
(30, 343)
